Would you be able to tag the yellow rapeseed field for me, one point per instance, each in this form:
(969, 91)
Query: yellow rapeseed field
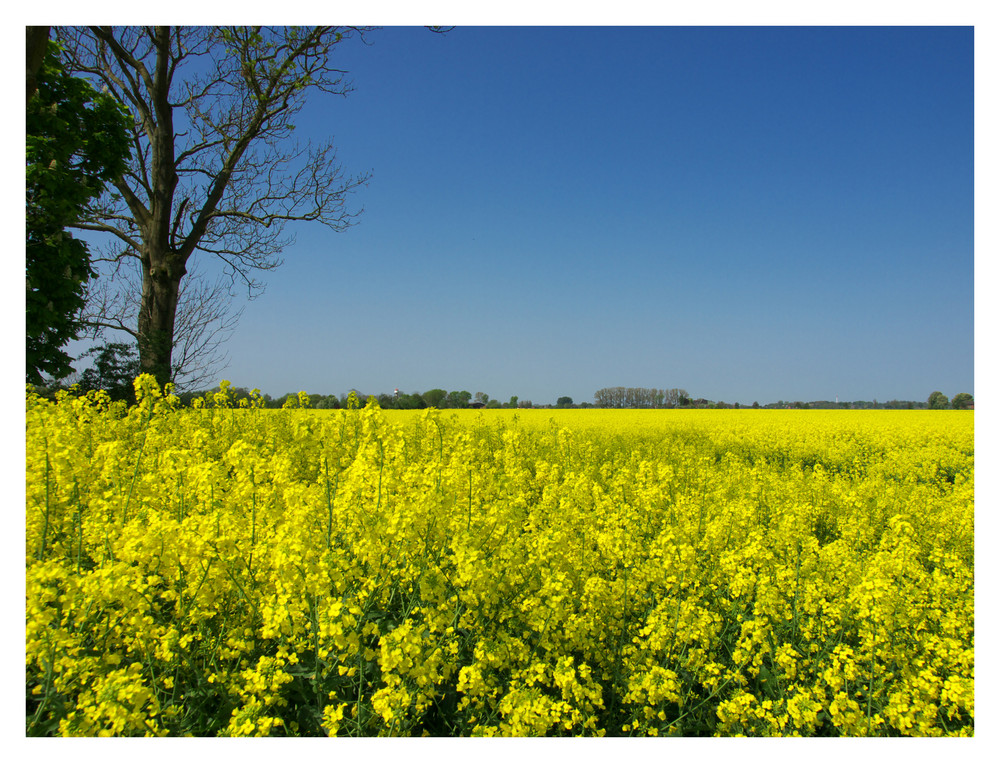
(241, 571)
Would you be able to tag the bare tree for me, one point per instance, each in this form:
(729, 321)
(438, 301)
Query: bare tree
(214, 170)
(205, 319)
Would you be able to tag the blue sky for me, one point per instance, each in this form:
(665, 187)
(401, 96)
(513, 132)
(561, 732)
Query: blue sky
(749, 213)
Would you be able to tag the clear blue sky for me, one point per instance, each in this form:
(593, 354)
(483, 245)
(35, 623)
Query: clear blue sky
(748, 213)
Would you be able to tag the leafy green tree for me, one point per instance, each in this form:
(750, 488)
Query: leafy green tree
(410, 402)
(937, 401)
(961, 401)
(115, 367)
(564, 401)
(458, 399)
(433, 397)
(76, 142)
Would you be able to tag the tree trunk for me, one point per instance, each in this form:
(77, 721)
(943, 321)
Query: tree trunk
(36, 43)
(163, 268)
(161, 282)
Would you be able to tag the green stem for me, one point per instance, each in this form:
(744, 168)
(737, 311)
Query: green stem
(714, 691)
(253, 525)
(317, 689)
(677, 617)
(45, 525)
(871, 675)
(45, 691)
(795, 597)
(79, 521)
(329, 502)
(138, 460)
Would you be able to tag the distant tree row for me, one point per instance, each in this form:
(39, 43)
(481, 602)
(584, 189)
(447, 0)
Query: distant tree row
(939, 401)
(115, 366)
(640, 397)
(432, 398)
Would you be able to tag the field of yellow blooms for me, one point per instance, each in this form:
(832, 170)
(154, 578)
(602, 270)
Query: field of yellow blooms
(221, 570)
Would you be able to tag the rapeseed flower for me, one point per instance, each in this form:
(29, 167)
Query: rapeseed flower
(223, 570)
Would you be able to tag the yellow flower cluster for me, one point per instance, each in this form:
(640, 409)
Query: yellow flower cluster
(223, 570)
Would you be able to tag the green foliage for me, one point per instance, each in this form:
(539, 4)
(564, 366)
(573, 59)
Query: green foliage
(458, 399)
(937, 401)
(405, 401)
(961, 401)
(115, 367)
(564, 401)
(76, 141)
(433, 397)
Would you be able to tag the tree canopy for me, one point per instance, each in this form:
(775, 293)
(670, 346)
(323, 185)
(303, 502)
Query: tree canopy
(75, 143)
(937, 400)
(114, 370)
(961, 401)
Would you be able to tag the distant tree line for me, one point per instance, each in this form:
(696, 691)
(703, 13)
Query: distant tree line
(432, 398)
(640, 397)
(643, 397)
(115, 366)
